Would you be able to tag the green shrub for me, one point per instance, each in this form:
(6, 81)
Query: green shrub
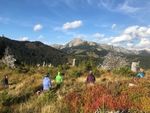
(44, 70)
(2, 66)
(125, 71)
(96, 72)
(23, 69)
(5, 98)
(65, 67)
(5, 110)
(60, 68)
(47, 97)
(31, 70)
(75, 72)
(88, 66)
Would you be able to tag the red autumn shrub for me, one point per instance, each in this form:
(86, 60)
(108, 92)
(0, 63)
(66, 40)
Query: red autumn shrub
(72, 101)
(98, 97)
(93, 98)
(123, 102)
(110, 102)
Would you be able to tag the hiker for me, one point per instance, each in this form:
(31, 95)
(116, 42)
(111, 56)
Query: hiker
(38, 92)
(5, 81)
(90, 78)
(58, 80)
(47, 82)
(141, 73)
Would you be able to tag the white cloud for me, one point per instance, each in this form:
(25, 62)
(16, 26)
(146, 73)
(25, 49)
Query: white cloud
(98, 35)
(113, 26)
(133, 32)
(80, 36)
(130, 45)
(144, 43)
(134, 37)
(122, 38)
(72, 25)
(37, 27)
(24, 39)
(125, 7)
(131, 29)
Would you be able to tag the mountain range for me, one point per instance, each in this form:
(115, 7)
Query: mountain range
(36, 52)
(84, 50)
(79, 46)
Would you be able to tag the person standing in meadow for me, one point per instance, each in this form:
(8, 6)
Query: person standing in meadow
(47, 82)
(58, 80)
(5, 81)
(90, 78)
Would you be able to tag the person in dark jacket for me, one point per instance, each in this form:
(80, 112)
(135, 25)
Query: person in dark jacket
(90, 78)
(5, 81)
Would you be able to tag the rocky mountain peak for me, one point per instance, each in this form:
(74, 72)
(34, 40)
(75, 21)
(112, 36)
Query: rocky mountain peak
(75, 42)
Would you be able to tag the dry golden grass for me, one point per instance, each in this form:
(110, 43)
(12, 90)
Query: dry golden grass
(21, 84)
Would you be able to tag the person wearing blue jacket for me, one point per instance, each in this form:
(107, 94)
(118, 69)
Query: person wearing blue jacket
(141, 73)
(46, 82)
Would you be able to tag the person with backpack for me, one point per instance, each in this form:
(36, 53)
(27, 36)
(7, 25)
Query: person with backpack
(90, 78)
(58, 80)
(47, 82)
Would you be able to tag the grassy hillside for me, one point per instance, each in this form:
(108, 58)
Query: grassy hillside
(113, 91)
(32, 53)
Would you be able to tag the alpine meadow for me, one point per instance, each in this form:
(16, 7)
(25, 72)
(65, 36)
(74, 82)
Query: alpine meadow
(74, 56)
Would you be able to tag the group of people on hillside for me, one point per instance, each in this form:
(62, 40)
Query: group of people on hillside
(90, 79)
(47, 84)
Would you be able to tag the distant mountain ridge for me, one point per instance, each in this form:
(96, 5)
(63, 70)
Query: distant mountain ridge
(86, 50)
(26, 52)
(78, 43)
(32, 52)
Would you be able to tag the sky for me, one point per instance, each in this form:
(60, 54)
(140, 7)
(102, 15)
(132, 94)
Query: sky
(115, 22)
